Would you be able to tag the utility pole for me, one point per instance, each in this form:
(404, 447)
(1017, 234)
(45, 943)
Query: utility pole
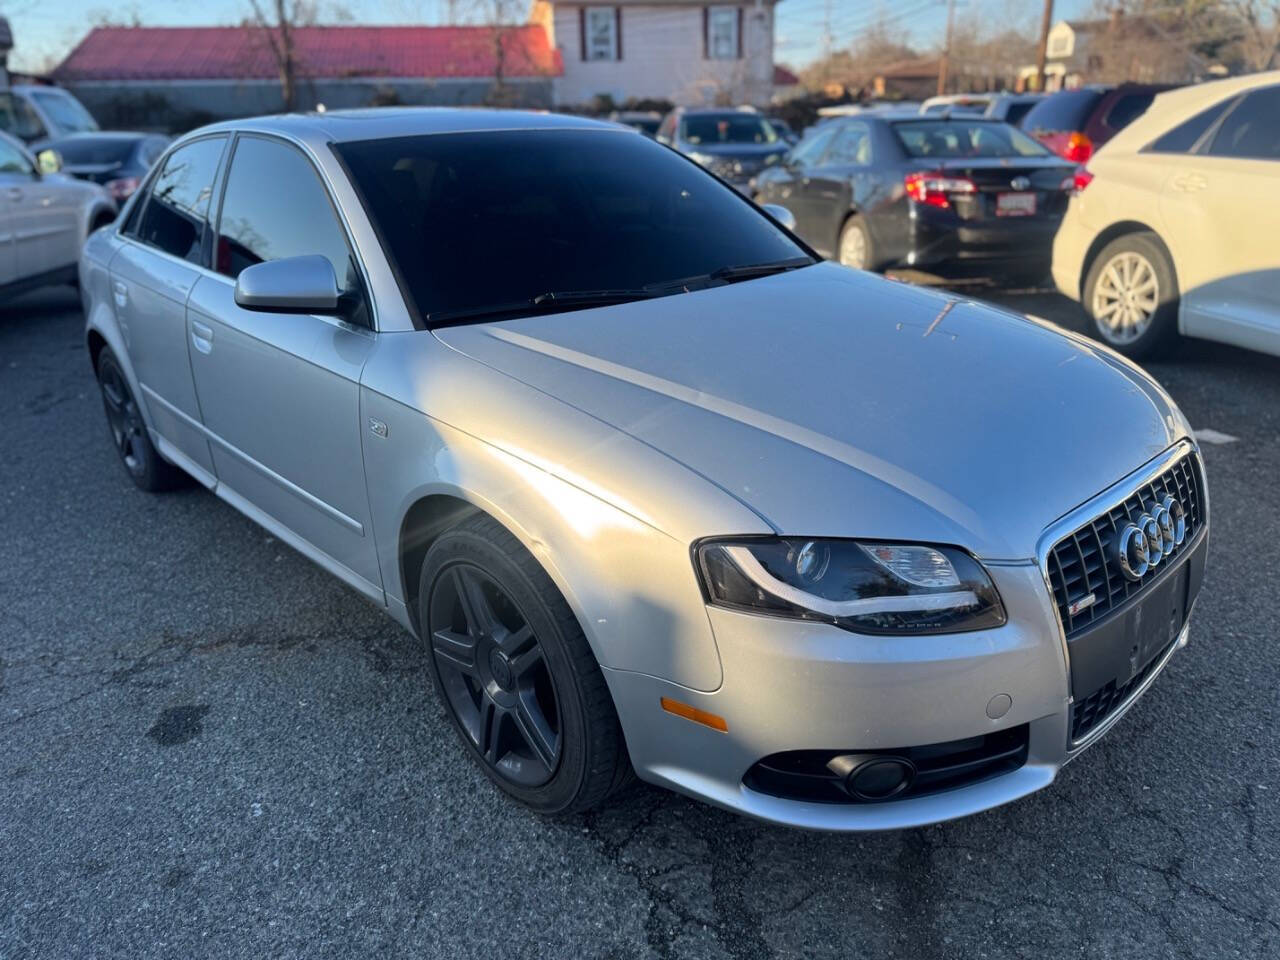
(944, 64)
(1043, 49)
(827, 42)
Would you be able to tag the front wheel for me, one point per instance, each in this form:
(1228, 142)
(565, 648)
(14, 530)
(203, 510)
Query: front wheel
(1131, 296)
(515, 672)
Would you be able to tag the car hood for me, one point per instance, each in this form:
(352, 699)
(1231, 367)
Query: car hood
(833, 402)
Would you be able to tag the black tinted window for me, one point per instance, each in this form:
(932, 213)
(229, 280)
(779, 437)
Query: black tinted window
(1017, 111)
(475, 220)
(1184, 136)
(1127, 109)
(1062, 111)
(275, 206)
(177, 209)
(1252, 129)
(96, 151)
(960, 138)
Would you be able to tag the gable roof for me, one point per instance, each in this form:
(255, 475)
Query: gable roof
(782, 77)
(244, 52)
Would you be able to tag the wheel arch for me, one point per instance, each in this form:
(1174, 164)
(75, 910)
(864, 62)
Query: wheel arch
(1122, 228)
(423, 523)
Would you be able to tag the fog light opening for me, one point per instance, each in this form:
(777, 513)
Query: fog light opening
(872, 778)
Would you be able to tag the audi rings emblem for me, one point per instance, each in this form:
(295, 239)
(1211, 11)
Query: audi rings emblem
(1143, 543)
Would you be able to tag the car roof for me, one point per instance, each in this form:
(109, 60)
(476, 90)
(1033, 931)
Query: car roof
(375, 123)
(1171, 107)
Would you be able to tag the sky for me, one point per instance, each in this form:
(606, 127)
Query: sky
(44, 30)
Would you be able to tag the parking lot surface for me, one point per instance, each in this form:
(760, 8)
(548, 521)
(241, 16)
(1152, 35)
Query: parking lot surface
(211, 748)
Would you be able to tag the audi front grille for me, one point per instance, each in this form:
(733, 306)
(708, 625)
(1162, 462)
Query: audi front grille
(1085, 563)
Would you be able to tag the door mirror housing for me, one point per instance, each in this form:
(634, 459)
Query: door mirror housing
(48, 161)
(782, 215)
(304, 284)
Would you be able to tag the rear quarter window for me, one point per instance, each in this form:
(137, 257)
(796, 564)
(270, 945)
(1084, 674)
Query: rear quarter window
(1186, 134)
(1065, 110)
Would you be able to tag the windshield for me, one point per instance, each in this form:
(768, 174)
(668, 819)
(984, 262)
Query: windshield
(729, 127)
(476, 220)
(959, 138)
(96, 151)
(65, 111)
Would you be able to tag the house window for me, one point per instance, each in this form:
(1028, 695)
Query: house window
(600, 40)
(724, 33)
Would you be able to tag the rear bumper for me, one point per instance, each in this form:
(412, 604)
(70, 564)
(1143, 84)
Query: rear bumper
(938, 238)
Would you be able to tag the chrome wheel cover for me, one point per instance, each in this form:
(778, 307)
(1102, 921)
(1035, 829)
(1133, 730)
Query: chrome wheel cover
(1125, 297)
(853, 248)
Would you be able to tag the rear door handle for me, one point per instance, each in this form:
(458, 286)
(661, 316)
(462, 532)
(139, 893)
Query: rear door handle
(14, 193)
(202, 336)
(1190, 182)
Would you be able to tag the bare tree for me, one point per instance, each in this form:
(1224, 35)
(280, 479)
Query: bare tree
(280, 39)
(1260, 31)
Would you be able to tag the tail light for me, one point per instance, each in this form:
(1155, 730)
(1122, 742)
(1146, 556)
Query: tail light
(935, 189)
(123, 188)
(1082, 179)
(1079, 148)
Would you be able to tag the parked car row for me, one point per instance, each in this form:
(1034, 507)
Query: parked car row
(1166, 231)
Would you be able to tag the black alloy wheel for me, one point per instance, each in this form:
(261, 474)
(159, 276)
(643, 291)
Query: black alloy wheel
(495, 676)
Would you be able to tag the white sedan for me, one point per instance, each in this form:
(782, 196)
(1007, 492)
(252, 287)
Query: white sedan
(1172, 228)
(44, 219)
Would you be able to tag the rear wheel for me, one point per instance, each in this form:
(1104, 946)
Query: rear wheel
(1131, 295)
(515, 671)
(855, 246)
(143, 463)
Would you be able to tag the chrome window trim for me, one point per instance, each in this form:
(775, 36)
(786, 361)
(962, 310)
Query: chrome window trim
(1110, 498)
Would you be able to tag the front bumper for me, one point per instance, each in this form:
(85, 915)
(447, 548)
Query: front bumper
(791, 685)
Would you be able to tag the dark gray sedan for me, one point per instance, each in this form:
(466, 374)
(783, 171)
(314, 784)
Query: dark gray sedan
(949, 194)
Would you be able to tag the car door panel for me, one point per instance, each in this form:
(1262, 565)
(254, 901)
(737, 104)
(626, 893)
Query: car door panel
(1220, 211)
(152, 276)
(280, 398)
(150, 291)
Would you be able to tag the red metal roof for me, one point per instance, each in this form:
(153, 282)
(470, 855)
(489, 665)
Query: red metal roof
(782, 77)
(232, 53)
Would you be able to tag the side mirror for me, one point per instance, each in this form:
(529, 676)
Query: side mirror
(304, 284)
(781, 214)
(48, 161)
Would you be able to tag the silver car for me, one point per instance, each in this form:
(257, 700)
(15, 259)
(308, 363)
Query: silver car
(44, 219)
(660, 491)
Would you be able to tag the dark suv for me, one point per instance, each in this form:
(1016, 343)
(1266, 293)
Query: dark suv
(1075, 123)
(735, 145)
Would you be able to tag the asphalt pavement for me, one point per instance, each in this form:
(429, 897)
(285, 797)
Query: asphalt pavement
(211, 748)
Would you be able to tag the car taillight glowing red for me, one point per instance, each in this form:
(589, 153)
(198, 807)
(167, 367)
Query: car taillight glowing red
(1079, 148)
(1082, 179)
(935, 189)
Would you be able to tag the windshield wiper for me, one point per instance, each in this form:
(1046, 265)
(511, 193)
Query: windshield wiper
(553, 301)
(732, 274)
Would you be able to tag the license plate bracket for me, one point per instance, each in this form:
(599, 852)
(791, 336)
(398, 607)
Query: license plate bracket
(1015, 204)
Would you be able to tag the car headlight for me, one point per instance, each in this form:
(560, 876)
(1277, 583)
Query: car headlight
(880, 588)
(703, 159)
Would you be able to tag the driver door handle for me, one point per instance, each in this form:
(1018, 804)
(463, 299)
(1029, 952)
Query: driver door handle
(202, 336)
(14, 193)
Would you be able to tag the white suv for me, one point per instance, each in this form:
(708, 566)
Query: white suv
(1172, 228)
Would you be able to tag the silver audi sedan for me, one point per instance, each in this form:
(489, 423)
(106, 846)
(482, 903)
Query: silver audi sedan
(660, 491)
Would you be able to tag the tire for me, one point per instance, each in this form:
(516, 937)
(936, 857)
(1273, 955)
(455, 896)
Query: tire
(128, 430)
(499, 695)
(1131, 296)
(854, 248)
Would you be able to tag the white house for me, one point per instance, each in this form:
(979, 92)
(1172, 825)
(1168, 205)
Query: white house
(689, 53)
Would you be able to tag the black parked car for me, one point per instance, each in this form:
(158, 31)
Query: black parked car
(118, 161)
(946, 194)
(735, 145)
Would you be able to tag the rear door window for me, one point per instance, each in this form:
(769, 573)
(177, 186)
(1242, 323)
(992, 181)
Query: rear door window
(1252, 129)
(1066, 110)
(177, 209)
(851, 147)
(1188, 133)
(1127, 109)
(949, 139)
